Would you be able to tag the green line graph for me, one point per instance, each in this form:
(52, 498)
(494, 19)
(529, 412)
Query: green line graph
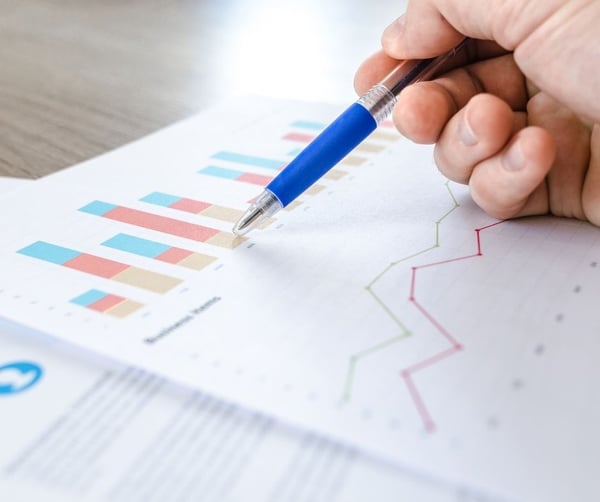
(404, 332)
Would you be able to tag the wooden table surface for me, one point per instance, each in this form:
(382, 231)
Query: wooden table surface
(79, 78)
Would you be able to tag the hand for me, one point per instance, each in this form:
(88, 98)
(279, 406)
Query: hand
(519, 120)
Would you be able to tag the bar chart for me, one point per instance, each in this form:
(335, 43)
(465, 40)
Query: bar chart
(107, 303)
(250, 160)
(154, 226)
(236, 175)
(244, 162)
(163, 224)
(193, 206)
(159, 251)
(101, 267)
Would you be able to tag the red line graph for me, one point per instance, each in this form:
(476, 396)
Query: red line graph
(455, 346)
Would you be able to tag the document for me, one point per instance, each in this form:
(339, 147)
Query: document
(383, 310)
(70, 431)
(78, 427)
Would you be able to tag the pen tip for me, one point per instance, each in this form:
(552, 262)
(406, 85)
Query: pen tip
(265, 206)
(248, 221)
(241, 227)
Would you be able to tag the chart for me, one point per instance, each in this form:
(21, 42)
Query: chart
(382, 308)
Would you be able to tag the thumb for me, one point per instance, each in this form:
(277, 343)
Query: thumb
(418, 34)
(431, 27)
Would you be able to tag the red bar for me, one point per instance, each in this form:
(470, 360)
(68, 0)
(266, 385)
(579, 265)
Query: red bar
(107, 302)
(174, 255)
(255, 179)
(161, 224)
(190, 205)
(96, 265)
(301, 138)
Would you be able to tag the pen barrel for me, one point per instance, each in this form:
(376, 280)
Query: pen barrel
(324, 152)
(411, 71)
(353, 126)
(408, 72)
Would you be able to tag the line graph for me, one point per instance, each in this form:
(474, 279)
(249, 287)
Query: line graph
(404, 331)
(408, 373)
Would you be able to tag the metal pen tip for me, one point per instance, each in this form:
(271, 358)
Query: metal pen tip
(264, 207)
(248, 221)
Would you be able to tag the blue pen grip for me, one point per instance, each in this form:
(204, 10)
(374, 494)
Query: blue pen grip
(325, 151)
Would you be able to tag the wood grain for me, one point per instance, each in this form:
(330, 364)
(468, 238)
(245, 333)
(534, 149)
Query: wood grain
(79, 78)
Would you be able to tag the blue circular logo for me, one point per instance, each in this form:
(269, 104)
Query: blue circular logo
(18, 377)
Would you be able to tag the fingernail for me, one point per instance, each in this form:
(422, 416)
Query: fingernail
(513, 159)
(465, 132)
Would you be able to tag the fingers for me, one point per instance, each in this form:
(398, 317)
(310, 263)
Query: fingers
(572, 139)
(399, 41)
(376, 67)
(487, 145)
(372, 70)
(511, 183)
(554, 41)
(476, 133)
(591, 187)
(432, 27)
(424, 109)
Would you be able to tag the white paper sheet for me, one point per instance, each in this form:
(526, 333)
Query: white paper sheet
(48, 454)
(92, 430)
(7, 183)
(385, 311)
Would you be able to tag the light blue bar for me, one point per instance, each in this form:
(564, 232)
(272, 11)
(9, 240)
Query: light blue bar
(295, 152)
(221, 172)
(98, 208)
(86, 299)
(136, 245)
(248, 159)
(160, 199)
(49, 252)
(305, 124)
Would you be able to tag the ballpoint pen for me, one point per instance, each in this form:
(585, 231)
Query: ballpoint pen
(339, 138)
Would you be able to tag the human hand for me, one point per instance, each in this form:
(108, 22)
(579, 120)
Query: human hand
(520, 120)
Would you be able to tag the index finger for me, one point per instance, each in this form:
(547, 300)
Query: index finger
(377, 66)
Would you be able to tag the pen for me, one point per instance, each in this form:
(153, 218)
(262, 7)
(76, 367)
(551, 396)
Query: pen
(339, 138)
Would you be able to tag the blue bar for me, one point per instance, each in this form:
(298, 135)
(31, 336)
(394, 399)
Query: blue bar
(136, 245)
(160, 199)
(98, 208)
(86, 299)
(49, 252)
(221, 172)
(305, 124)
(248, 159)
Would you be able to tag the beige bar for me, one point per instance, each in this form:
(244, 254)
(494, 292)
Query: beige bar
(292, 205)
(226, 240)
(385, 136)
(197, 261)
(352, 160)
(147, 279)
(335, 174)
(222, 213)
(370, 148)
(315, 189)
(123, 309)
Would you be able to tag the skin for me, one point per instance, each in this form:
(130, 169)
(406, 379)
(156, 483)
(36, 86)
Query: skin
(518, 116)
